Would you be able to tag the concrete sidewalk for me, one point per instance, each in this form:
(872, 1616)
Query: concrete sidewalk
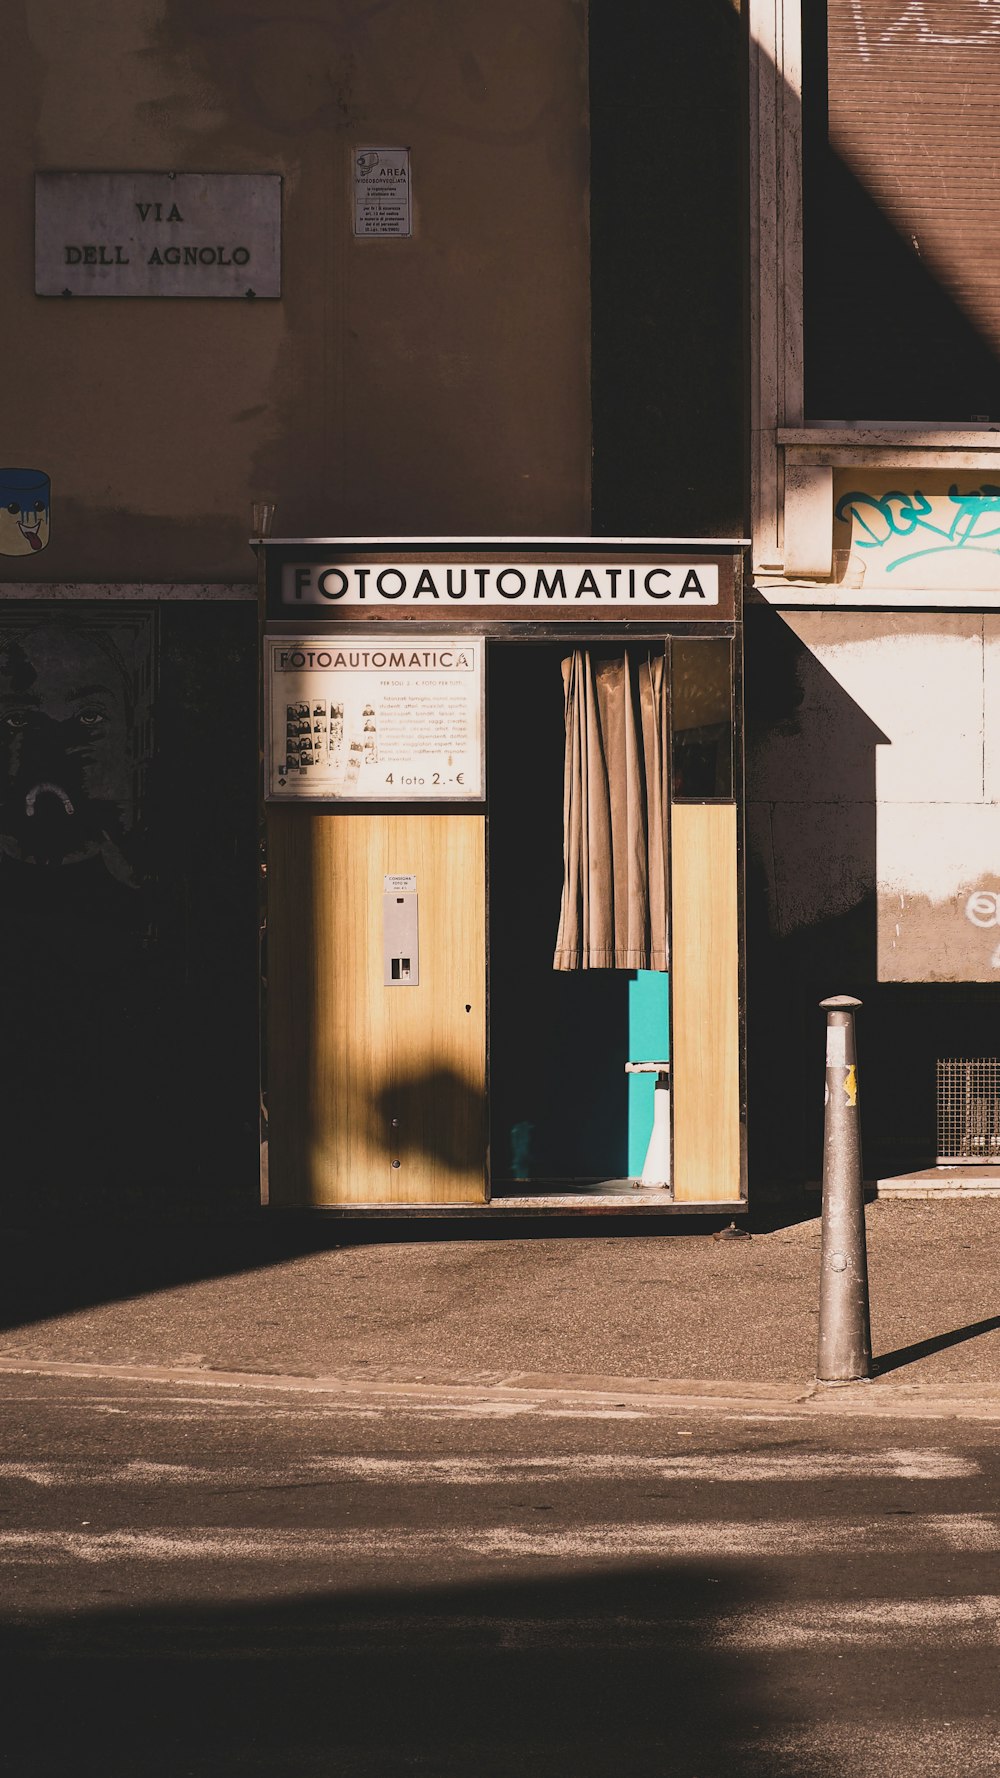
(645, 1306)
(499, 1395)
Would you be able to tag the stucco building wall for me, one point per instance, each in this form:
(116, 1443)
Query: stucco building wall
(436, 384)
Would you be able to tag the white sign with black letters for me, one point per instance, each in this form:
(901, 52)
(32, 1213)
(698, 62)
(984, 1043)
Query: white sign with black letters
(158, 234)
(537, 585)
(382, 191)
(398, 719)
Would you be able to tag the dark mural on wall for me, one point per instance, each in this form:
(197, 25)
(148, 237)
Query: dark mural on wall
(75, 741)
(127, 909)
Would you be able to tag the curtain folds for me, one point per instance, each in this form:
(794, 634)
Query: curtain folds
(614, 900)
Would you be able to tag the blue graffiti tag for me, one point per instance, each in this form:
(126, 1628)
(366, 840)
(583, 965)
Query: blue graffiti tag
(884, 516)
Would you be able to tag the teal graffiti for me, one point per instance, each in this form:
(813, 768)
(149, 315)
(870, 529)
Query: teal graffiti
(883, 516)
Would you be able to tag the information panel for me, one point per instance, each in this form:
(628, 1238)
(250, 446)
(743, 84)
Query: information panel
(399, 719)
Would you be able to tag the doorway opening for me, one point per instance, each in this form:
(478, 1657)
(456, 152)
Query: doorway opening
(567, 1120)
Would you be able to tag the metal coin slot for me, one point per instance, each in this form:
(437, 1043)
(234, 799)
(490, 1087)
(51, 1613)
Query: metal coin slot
(400, 955)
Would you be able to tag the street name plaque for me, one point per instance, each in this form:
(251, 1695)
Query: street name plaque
(158, 234)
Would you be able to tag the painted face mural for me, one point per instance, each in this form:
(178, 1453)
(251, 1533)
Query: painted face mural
(71, 741)
(25, 511)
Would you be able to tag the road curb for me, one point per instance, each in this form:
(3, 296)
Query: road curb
(544, 1392)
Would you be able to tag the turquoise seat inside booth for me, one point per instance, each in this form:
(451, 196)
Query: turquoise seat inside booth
(648, 1041)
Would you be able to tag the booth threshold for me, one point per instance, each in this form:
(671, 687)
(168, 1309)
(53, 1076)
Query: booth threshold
(551, 1204)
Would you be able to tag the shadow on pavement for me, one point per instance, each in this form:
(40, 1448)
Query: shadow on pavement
(47, 1271)
(626, 1670)
(894, 1361)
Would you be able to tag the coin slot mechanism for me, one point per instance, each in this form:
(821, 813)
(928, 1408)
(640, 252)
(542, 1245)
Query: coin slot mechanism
(400, 951)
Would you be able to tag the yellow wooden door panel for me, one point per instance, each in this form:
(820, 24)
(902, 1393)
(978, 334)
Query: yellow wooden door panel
(705, 1069)
(360, 1074)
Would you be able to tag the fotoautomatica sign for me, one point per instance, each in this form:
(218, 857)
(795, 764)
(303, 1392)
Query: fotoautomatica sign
(399, 719)
(539, 587)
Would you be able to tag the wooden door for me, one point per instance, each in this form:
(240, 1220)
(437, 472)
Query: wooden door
(376, 1094)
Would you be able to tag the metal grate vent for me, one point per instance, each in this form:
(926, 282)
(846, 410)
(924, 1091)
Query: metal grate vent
(968, 1109)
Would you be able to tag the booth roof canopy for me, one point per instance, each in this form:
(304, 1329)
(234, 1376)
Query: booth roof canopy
(598, 544)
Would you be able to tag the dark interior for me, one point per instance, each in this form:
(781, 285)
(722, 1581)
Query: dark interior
(558, 1039)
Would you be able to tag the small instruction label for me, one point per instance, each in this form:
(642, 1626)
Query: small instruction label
(399, 885)
(836, 1046)
(382, 191)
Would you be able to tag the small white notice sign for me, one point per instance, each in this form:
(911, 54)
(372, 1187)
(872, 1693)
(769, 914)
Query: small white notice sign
(382, 191)
(399, 719)
(405, 885)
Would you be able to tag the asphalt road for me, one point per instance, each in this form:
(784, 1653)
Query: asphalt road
(201, 1580)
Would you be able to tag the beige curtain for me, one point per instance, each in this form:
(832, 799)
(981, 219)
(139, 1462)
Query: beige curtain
(614, 900)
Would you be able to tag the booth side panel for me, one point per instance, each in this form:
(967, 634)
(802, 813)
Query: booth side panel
(705, 984)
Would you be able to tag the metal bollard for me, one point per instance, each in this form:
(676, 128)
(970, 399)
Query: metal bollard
(845, 1341)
